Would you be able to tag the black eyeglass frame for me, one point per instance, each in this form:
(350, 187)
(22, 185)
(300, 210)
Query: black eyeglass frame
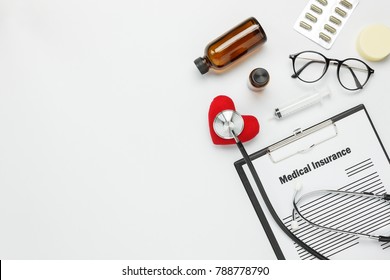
(337, 62)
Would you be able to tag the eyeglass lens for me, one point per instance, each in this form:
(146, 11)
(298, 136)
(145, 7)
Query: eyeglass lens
(353, 74)
(311, 66)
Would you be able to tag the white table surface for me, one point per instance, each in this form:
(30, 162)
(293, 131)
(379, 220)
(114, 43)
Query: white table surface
(105, 151)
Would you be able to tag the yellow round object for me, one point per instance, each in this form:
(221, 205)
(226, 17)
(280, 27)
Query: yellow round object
(374, 42)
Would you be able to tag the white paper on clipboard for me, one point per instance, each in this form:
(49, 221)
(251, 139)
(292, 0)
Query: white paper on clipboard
(349, 156)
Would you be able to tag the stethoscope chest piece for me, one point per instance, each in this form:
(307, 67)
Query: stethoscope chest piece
(226, 122)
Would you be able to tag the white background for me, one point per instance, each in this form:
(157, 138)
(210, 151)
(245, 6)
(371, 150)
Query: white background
(105, 151)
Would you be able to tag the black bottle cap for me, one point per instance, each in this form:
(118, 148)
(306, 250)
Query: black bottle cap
(259, 77)
(202, 65)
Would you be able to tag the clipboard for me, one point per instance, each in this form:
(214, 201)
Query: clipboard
(354, 168)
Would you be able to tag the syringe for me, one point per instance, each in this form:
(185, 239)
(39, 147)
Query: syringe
(301, 104)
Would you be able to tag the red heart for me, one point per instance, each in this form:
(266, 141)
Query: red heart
(251, 125)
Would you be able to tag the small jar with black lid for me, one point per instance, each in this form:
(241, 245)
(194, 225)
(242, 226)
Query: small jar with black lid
(258, 79)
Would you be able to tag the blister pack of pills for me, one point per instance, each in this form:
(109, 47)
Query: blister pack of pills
(322, 20)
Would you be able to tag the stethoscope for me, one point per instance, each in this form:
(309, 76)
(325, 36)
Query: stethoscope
(228, 125)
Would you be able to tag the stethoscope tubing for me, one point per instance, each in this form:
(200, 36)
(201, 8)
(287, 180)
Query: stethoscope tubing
(263, 193)
(267, 202)
(296, 210)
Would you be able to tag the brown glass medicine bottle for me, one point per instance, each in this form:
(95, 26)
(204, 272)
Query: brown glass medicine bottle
(234, 44)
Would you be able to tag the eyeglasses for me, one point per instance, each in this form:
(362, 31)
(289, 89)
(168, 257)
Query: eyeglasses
(311, 66)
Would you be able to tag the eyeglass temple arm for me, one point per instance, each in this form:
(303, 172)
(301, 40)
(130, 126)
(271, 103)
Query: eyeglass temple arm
(299, 71)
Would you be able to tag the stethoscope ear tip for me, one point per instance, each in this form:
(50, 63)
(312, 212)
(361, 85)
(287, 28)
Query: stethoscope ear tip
(294, 225)
(298, 186)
